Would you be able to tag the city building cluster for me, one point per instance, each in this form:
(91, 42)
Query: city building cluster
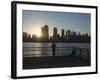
(64, 36)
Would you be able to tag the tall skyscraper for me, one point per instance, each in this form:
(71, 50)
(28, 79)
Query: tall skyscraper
(55, 31)
(45, 32)
(55, 34)
(62, 33)
(68, 33)
(79, 34)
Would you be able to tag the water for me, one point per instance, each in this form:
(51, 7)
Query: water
(38, 52)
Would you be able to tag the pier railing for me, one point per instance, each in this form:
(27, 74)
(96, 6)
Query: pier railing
(59, 51)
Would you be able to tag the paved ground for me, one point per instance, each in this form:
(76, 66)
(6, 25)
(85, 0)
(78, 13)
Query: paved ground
(53, 62)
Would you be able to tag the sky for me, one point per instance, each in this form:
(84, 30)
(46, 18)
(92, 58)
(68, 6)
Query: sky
(32, 21)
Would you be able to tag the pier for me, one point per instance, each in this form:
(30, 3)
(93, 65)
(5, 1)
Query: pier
(42, 57)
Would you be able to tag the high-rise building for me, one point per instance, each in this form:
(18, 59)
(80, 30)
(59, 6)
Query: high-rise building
(25, 35)
(45, 32)
(55, 34)
(86, 34)
(54, 31)
(68, 33)
(62, 33)
(29, 36)
(79, 34)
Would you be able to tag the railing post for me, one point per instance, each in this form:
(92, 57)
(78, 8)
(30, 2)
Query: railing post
(80, 52)
(74, 51)
(58, 51)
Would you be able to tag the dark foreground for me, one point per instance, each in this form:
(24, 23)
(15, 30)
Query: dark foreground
(54, 62)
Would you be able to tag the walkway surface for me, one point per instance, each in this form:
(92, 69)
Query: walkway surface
(54, 62)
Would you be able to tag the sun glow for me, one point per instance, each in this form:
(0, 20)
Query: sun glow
(37, 31)
(35, 27)
(38, 34)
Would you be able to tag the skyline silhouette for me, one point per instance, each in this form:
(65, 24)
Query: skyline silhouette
(64, 36)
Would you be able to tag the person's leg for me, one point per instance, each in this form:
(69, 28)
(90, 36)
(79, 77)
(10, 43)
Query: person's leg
(54, 52)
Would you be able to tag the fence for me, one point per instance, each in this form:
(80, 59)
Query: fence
(59, 51)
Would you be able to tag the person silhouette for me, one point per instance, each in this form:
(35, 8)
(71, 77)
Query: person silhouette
(53, 48)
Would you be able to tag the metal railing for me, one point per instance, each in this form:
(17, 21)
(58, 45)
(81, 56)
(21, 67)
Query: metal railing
(59, 51)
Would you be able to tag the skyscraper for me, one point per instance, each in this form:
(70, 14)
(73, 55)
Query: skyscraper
(55, 34)
(68, 33)
(45, 32)
(55, 31)
(62, 33)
